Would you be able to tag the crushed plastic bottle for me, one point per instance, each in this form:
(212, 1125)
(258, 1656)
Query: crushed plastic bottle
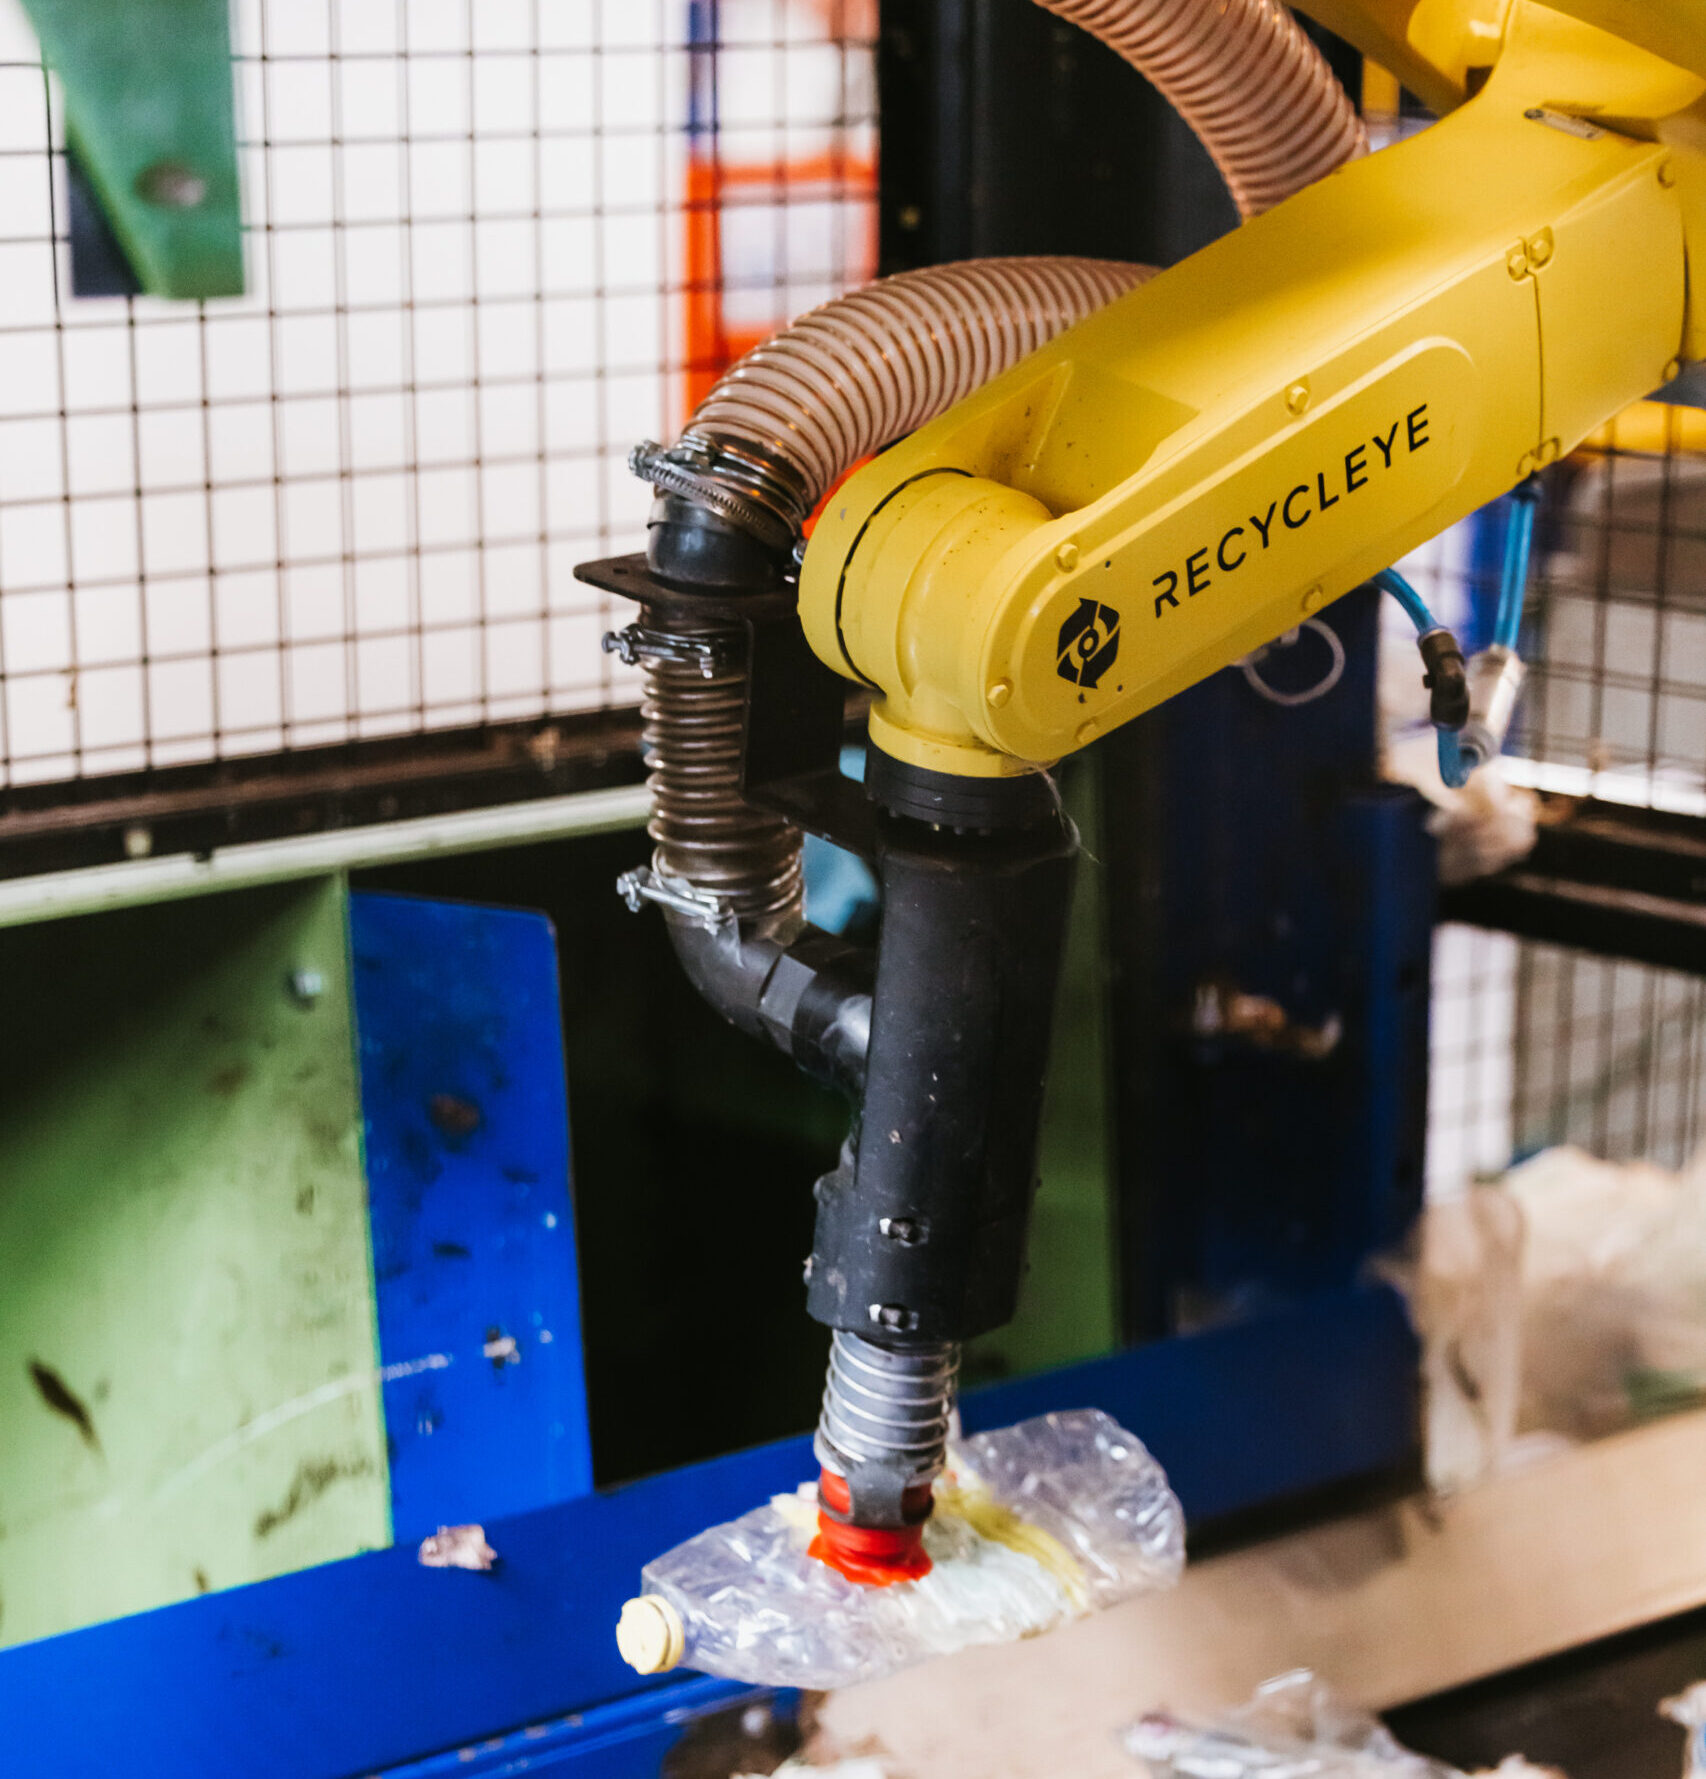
(1033, 1526)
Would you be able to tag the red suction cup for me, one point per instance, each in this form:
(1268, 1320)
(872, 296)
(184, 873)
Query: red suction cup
(873, 1556)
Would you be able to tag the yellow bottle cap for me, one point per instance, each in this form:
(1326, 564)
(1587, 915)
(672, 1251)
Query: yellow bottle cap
(650, 1635)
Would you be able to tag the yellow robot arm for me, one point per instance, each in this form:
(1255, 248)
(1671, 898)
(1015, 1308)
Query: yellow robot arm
(1250, 435)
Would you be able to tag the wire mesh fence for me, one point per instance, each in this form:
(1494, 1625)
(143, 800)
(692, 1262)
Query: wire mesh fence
(492, 243)
(1617, 703)
(488, 247)
(1537, 1044)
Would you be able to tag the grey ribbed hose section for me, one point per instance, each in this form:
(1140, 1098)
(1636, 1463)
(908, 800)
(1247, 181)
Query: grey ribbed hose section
(870, 367)
(887, 1405)
(1257, 92)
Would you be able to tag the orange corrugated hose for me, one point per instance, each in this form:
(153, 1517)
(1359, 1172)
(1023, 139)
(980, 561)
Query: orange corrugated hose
(870, 367)
(1245, 77)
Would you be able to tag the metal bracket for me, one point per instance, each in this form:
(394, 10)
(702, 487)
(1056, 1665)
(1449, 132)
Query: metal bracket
(796, 717)
(150, 118)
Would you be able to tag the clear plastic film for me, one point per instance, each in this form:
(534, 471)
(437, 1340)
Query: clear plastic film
(1688, 1708)
(1034, 1525)
(1294, 1728)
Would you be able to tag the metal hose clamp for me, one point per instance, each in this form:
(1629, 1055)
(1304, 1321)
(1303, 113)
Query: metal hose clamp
(746, 488)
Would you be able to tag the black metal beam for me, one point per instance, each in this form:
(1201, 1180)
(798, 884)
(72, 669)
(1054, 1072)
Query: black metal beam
(197, 808)
(1619, 882)
(1007, 130)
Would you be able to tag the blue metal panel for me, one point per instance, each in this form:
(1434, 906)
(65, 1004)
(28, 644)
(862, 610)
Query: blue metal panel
(367, 1663)
(1254, 1412)
(613, 1741)
(461, 1057)
(1285, 870)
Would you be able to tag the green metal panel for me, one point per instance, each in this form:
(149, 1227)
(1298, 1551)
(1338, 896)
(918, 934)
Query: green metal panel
(188, 1397)
(150, 114)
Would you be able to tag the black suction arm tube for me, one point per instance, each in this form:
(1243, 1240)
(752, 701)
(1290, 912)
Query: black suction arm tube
(922, 1236)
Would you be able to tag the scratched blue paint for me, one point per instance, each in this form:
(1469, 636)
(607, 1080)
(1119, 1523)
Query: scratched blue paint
(467, 1148)
(365, 1664)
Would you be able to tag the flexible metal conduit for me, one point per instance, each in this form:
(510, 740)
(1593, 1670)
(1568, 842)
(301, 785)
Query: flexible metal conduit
(707, 834)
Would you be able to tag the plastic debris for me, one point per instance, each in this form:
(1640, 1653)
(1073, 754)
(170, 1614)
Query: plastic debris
(1488, 824)
(1294, 1728)
(1465, 1295)
(1689, 1709)
(457, 1547)
(1564, 1302)
(1034, 1525)
(1483, 826)
(858, 1766)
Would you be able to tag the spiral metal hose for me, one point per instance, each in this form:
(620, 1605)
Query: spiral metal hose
(707, 835)
(887, 1405)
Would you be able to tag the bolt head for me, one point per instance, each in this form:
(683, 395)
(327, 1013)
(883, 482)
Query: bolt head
(1672, 370)
(171, 185)
(307, 986)
(1516, 261)
(1087, 732)
(998, 694)
(1540, 248)
(1066, 558)
(1667, 172)
(1297, 397)
(1312, 600)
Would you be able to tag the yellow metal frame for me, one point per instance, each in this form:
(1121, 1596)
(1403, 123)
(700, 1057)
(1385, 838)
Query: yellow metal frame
(1250, 435)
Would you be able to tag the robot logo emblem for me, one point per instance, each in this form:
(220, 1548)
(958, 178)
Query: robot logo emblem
(1089, 644)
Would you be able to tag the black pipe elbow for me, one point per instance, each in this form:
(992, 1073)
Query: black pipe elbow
(808, 996)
